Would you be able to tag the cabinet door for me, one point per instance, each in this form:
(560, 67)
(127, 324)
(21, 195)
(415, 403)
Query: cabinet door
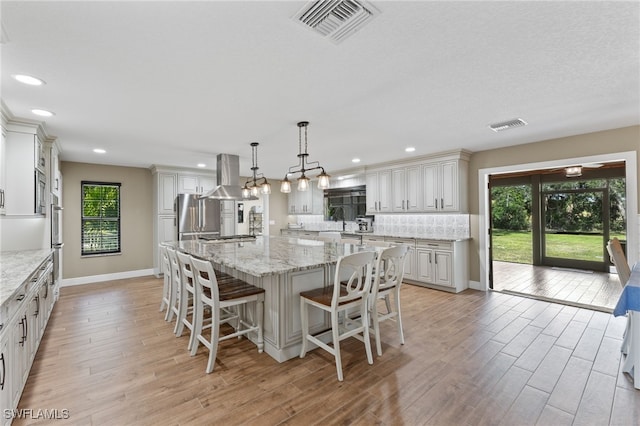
(398, 184)
(449, 186)
(39, 158)
(413, 189)
(206, 183)
(227, 225)
(317, 201)
(166, 192)
(443, 268)
(3, 169)
(410, 270)
(5, 375)
(425, 265)
(371, 180)
(384, 191)
(430, 187)
(188, 184)
(20, 355)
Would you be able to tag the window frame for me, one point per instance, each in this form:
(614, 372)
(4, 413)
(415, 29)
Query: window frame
(84, 219)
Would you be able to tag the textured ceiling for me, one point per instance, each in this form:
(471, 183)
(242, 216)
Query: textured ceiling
(175, 83)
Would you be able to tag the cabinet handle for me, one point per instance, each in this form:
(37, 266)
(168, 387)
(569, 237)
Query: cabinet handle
(435, 258)
(4, 372)
(442, 203)
(37, 299)
(402, 204)
(429, 257)
(20, 298)
(57, 184)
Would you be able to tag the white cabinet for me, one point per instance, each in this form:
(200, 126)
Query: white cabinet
(5, 368)
(410, 272)
(55, 177)
(195, 184)
(3, 168)
(442, 264)
(165, 231)
(19, 352)
(444, 186)
(406, 191)
(166, 192)
(378, 191)
(310, 201)
(227, 217)
(25, 163)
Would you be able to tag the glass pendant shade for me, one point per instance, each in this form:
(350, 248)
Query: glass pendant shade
(266, 188)
(303, 183)
(245, 192)
(323, 180)
(254, 191)
(285, 186)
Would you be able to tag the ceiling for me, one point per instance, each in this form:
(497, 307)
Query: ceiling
(175, 82)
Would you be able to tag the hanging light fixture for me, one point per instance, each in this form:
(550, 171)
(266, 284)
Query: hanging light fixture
(258, 183)
(303, 166)
(574, 171)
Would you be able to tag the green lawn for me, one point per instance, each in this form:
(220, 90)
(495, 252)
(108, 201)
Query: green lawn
(516, 246)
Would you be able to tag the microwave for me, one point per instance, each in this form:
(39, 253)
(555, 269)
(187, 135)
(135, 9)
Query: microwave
(40, 193)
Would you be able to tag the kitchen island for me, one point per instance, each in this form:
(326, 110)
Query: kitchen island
(284, 267)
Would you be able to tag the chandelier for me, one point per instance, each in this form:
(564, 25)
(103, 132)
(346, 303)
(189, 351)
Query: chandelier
(303, 166)
(258, 182)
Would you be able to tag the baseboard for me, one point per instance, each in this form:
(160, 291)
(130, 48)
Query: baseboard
(476, 285)
(68, 282)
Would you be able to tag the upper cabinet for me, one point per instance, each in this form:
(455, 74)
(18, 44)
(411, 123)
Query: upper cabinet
(310, 201)
(407, 189)
(195, 184)
(3, 169)
(379, 191)
(55, 177)
(445, 186)
(25, 168)
(435, 183)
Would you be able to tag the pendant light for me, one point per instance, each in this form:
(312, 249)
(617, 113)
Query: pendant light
(303, 166)
(258, 183)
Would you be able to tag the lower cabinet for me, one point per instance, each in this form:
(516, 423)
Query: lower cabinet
(27, 315)
(439, 264)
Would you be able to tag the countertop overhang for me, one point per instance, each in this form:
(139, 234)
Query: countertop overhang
(15, 268)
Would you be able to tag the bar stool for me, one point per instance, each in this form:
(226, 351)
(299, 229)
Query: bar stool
(387, 282)
(174, 285)
(187, 298)
(344, 296)
(224, 298)
(166, 278)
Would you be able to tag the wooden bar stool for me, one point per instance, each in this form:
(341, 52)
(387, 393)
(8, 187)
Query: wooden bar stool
(187, 298)
(346, 294)
(224, 297)
(174, 284)
(386, 285)
(166, 278)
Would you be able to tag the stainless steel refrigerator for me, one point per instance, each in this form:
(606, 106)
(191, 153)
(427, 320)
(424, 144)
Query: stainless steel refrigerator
(197, 216)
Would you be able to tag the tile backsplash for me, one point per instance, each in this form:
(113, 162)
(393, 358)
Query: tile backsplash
(423, 225)
(410, 225)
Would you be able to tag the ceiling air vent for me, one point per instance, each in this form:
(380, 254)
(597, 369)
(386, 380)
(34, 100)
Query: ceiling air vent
(498, 127)
(336, 19)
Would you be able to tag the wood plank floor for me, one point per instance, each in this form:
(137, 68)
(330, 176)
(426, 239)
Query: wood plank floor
(473, 358)
(594, 290)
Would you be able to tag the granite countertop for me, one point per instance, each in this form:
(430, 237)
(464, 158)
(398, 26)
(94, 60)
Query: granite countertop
(15, 268)
(388, 235)
(268, 255)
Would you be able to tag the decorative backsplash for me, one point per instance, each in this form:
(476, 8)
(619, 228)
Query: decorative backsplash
(423, 225)
(413, 225)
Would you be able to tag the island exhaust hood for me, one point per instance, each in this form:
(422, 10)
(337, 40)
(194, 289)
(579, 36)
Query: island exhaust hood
(228, 175)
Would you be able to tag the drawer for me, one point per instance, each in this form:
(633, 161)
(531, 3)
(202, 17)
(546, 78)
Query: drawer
(436, 245)
(407, 241)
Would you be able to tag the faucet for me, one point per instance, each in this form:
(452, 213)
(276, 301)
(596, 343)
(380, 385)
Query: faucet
(335, 219)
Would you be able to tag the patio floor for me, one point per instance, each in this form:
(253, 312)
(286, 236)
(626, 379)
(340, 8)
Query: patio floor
(586, 289)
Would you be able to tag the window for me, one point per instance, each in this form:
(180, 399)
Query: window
(100, 218)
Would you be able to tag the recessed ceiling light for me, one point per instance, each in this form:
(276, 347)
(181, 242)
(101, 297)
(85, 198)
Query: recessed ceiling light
(340, 177)
(42, 112)
(27, 79)
(355, 160)
(99, 151)
(409, 149)
(202, 165)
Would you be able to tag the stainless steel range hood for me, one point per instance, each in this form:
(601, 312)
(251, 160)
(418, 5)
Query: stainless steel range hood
(228, 175)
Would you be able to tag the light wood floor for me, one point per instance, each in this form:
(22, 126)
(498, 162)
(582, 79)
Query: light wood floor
(595, 290)
(473, 358)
